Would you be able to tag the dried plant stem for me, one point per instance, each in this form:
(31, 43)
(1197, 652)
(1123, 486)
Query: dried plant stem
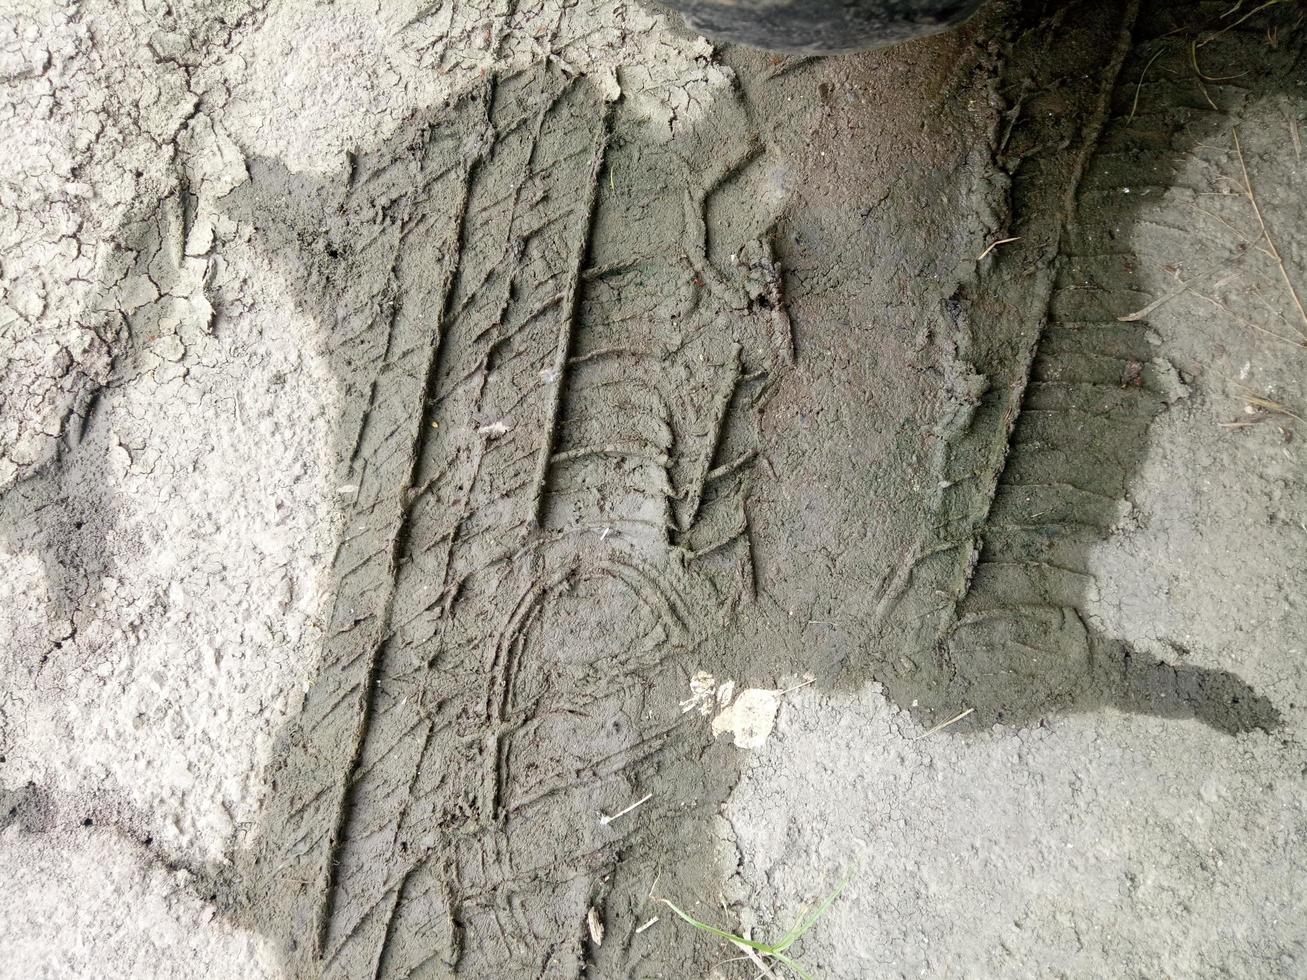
(1266, 234)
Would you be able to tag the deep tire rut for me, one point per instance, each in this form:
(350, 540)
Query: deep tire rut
(532, 430)
(1064, 389)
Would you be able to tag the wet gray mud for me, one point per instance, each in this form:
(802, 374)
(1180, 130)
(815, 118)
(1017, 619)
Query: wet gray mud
(553, 394)
(613, 418)
(616, 410)
(1059, 383)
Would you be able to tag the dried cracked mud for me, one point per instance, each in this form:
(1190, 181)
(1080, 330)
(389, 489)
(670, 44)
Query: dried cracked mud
(419, 424)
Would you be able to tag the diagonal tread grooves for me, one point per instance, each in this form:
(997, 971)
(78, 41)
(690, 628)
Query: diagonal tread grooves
(1038, 469)
(504, 472)
(368, 687)
(490, 276)
(1048, 325)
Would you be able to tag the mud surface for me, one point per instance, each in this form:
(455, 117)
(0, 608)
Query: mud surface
(402, 501)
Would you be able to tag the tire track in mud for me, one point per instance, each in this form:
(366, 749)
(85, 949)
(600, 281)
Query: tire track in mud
(553, 381)
(551, 391)
(1058, 398)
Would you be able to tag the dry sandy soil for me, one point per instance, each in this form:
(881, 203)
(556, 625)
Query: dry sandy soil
(471, 470)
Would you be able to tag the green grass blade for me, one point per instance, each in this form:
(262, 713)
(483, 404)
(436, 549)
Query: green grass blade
(777, 950)
(790, 965)
(719, 933)
(806, 922)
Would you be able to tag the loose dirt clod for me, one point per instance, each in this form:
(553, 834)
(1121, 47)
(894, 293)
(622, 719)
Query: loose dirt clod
(750, 717)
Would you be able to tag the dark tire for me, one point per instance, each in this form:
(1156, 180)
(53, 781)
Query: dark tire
(822, 26)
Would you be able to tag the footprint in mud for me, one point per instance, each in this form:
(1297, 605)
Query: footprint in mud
(568, 359)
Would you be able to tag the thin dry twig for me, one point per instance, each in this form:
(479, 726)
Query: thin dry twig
(944, 724)
(1268, 405)
(606, 819)
(1245, 322)
(1152, 307)
(1229, 27)
(801, 684)
(1143, 75)
(1198, 74)
(994, 245)
(1272, 406)
(1266, 234)
(1243, 239)
(1184, 287)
